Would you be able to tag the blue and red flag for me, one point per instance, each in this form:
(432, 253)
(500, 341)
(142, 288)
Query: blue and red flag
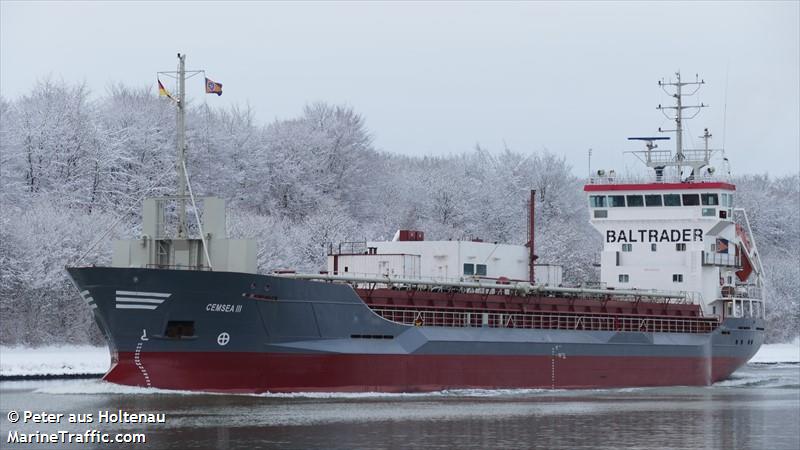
(212, 87)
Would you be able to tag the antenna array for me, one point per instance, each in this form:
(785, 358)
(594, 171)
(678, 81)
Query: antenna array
(661, 159)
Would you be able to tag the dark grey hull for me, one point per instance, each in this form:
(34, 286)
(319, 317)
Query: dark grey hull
(255, 333)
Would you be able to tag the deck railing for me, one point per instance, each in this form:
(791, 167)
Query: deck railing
(721, 259)
(497, 287)
(548, 321)
(177, 267)
(743, 307)
(612, 178)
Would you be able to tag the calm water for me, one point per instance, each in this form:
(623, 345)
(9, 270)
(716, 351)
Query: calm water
(758, 408)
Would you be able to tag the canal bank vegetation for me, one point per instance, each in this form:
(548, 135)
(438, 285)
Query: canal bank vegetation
(74, 168)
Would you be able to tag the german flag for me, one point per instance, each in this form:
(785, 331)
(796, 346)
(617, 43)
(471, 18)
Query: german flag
(212, 87)
(162, 91)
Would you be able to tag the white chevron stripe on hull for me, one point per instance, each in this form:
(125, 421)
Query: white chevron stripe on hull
(144, 294)
(131, 306)
(139, 300)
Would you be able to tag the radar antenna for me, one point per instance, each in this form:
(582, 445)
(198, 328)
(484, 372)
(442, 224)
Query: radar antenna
(649, 159)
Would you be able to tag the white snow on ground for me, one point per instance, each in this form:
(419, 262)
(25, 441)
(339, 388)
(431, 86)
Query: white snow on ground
(778, 353)
(86, 359)
(53, 360)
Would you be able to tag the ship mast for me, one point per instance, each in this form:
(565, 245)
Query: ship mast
(678, 115)
(161, 247)
(181, 145)
(695, 159)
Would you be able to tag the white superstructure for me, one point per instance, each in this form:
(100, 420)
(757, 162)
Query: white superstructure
(679, 230)
(439, 260)
(674, 236)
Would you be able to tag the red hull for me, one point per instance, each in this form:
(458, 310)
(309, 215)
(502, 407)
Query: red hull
(278, 372)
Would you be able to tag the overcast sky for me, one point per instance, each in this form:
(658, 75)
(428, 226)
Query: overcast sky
(437, 78)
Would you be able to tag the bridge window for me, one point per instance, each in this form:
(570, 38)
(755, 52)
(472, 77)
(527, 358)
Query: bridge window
(672, 200)
(677, 278)
(624, 278)
(680, 246)
(616, 200)
(480, 269)
(635, 200)
(730, 200)
(710, 212)
(724, 199)
(652, 200)
(627, 247)
(709, 199)
(600, 214)
(597, 201)
(469, 269)
(691, 199)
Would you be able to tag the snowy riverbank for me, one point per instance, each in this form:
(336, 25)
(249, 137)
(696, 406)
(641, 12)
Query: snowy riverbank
(775, 353)
(85, 359)
(53, 360)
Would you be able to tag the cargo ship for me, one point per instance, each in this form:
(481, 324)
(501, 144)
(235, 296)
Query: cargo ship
(678, 301)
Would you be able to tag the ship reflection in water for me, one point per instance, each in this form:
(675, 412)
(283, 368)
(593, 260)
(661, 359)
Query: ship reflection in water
(759, 407)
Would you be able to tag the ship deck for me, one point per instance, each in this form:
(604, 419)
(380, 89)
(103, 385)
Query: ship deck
(461, 309)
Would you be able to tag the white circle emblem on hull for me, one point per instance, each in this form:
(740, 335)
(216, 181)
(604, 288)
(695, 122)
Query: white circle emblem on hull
(223, 339)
